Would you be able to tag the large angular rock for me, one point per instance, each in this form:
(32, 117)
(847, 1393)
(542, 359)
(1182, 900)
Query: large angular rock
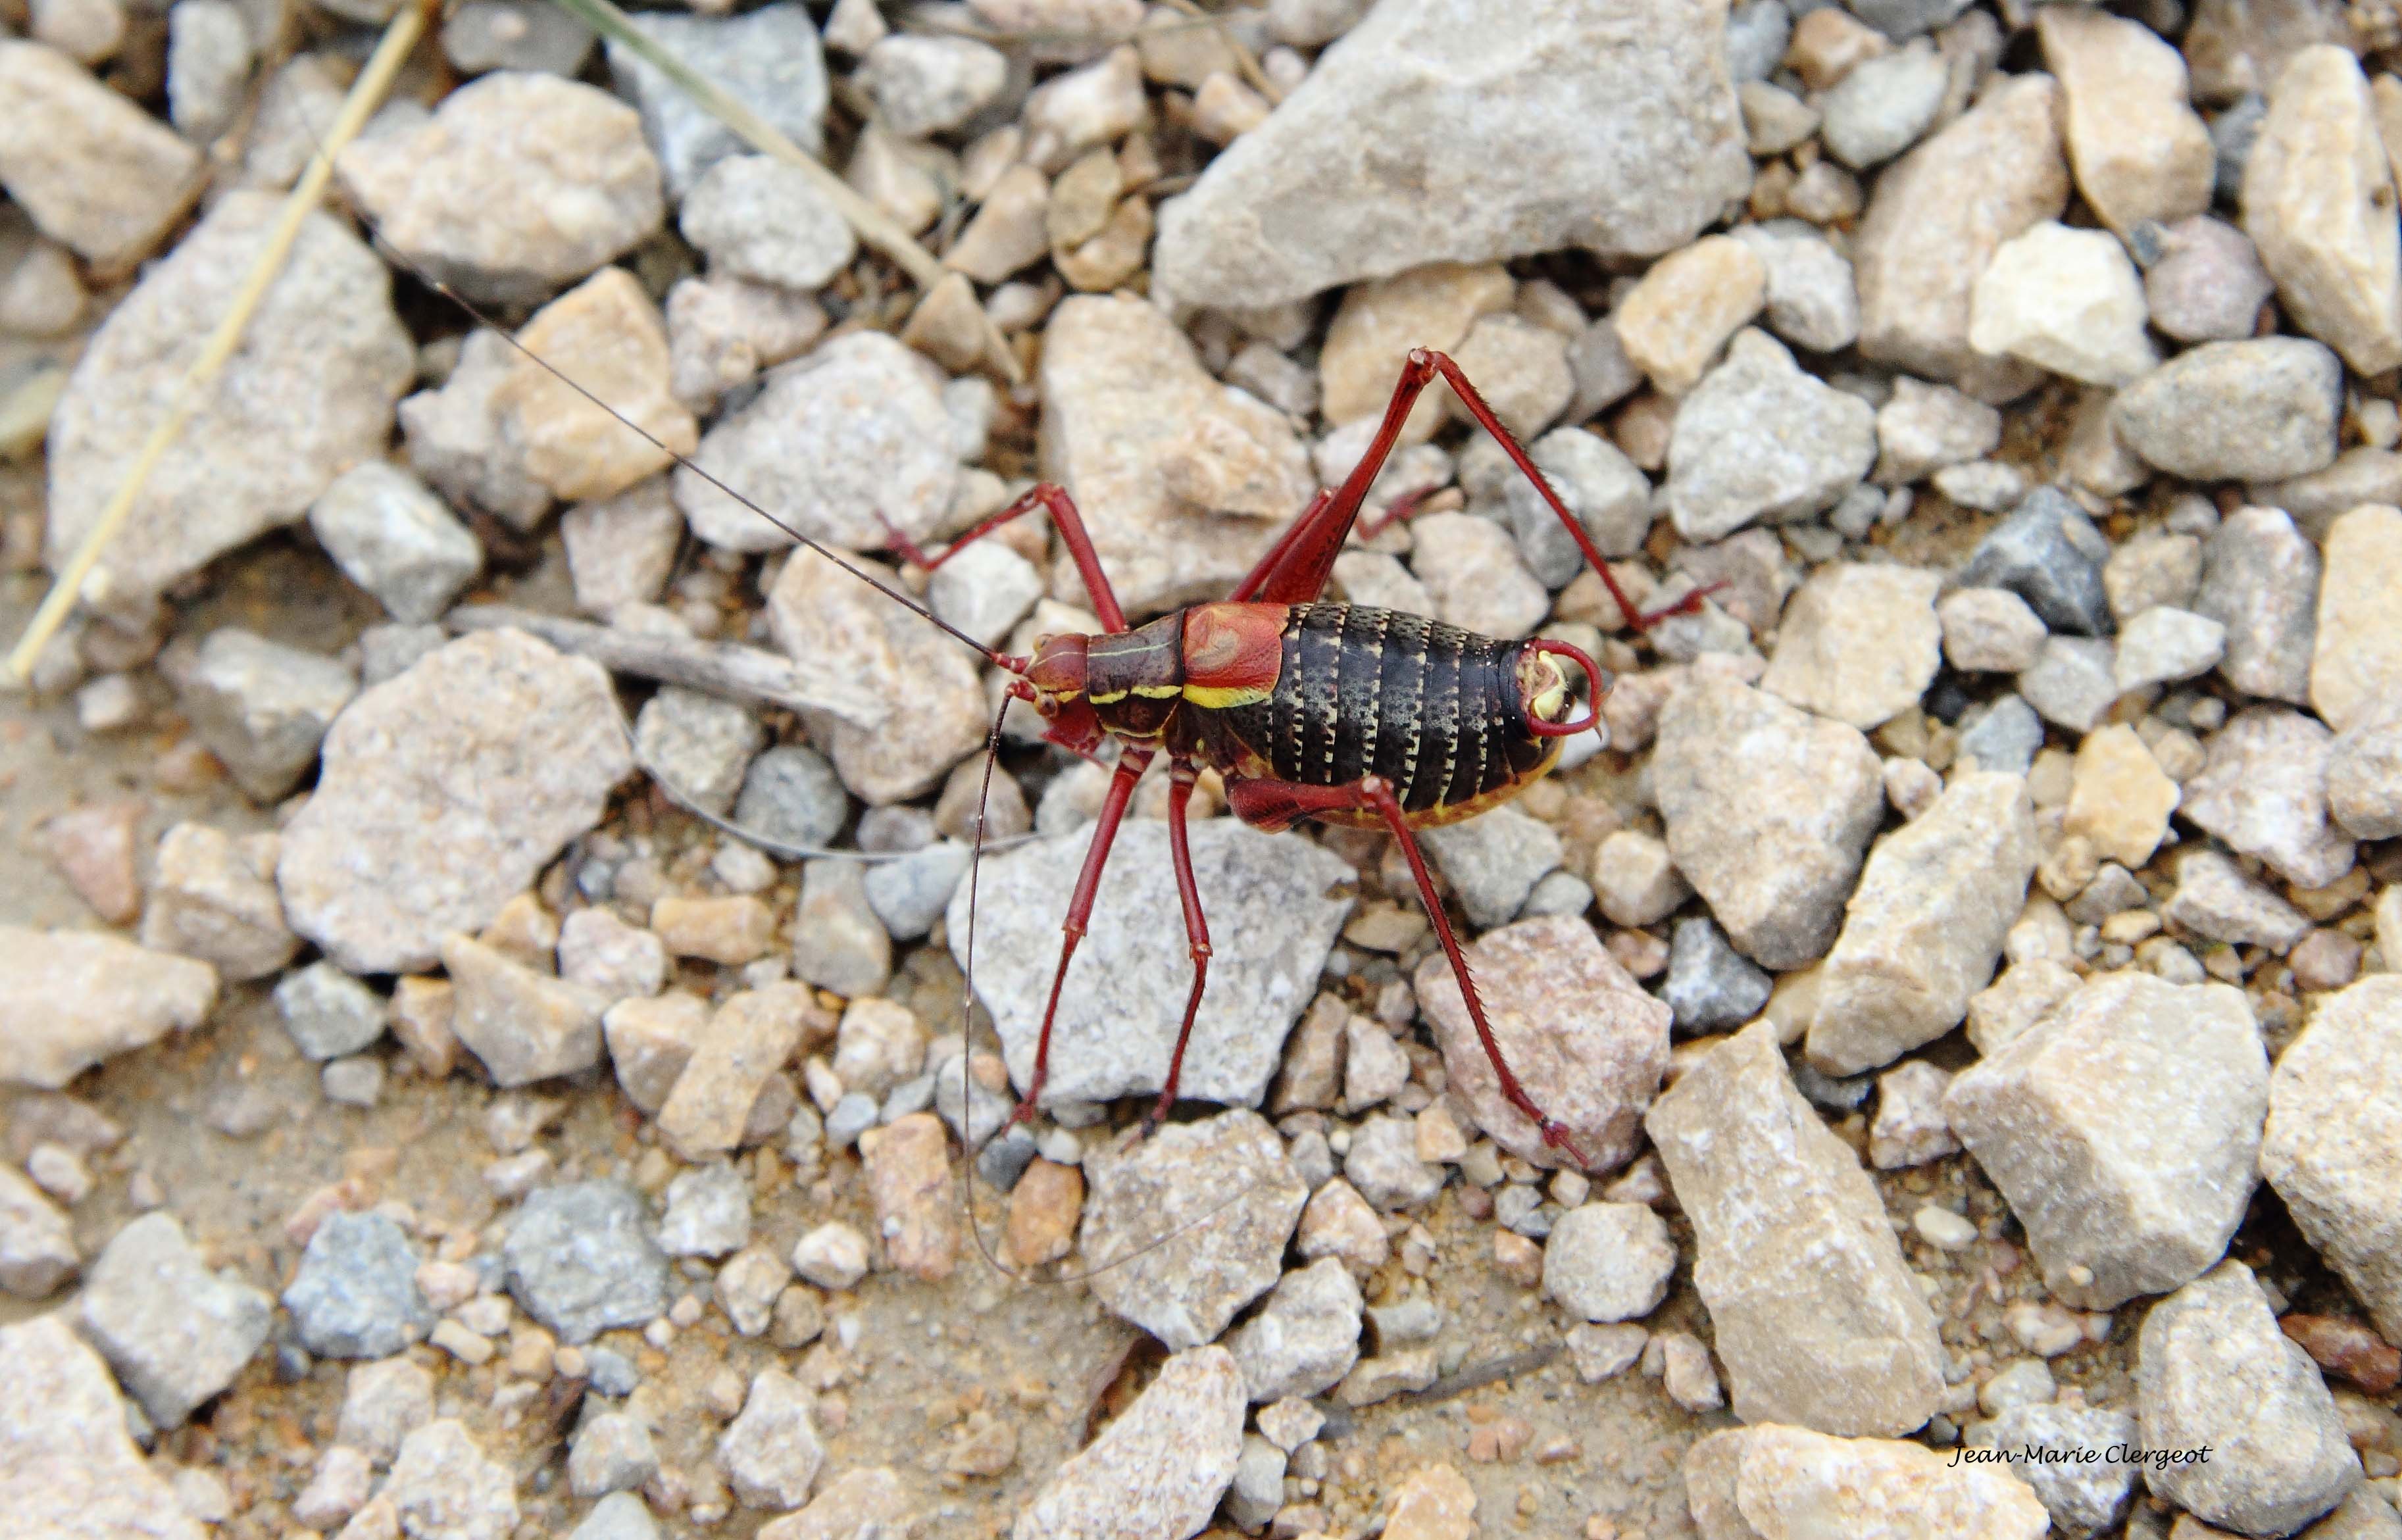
(175, 1332)
(1769, 810)
(107, 179)
(519, 185)
(767, 58)
(2260, 580)
(1925, 927)
(70, 998)
(2213, 1370)
(1817, 1318)
(443, 792)
(1272, 921)
(2357, 661)
(1761, 439)
(522, 1025)
(310, 393)
(2264, 792)
(1448, 130)
(1775, 1481)
(1939, 214)
(1858, 643)
(69, 1470)
(819, 612)
(1189, 1226)
(2259, 410)
(2335, 1121)
(1160, 1468)
(2139, 150)
(2364, 774)
(261, 707)
(586, 1258)
(1183, 482)
(2318, 202)
(1583, 1037)
(851, 430)
(2122, 1128)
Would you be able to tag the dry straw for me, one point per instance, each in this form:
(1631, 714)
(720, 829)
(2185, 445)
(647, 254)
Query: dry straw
(366, 94)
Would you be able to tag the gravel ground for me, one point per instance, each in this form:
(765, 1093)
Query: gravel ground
(1971, 964)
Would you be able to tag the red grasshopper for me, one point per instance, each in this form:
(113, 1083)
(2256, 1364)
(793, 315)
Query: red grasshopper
(1348, 714)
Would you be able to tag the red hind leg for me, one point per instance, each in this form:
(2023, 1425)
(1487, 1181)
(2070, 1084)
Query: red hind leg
(1295, 570)
(1275, 804)
(1079, 915)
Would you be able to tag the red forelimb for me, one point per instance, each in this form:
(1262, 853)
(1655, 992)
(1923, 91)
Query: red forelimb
(1080, 913)
(1054, 501)
(1273, 804)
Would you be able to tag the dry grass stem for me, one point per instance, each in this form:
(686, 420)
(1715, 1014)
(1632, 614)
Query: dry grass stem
(365, 95)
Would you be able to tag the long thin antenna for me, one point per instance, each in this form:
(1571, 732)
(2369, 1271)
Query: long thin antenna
(446, 291)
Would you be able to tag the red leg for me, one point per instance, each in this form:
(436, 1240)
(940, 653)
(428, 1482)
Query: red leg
(1272, 803)
(1064, 518)
(1080, 913)
(1181, 776)
(1296, 571)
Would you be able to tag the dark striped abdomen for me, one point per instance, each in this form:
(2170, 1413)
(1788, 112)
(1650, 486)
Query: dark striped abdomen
(1432, 709)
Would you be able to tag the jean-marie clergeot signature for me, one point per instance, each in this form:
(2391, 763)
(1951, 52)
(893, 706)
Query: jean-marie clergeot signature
(2113, 1454)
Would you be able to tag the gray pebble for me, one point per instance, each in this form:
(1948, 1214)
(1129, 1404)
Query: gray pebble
(1557, 893)
(707, 1213)
(1494, 860)
(582, 1259)
(1848, 1094)
(1755, 37)
(613, 1373)
(768, 59)
(790, 795)
(852, 1115)
(2232, 134)
(392, 537)
(838, 942)
(2085, 1493)
(910, 894)
(1883, 105)
(1002, 1161)
(354, 1081)
(390, 649)
(2259, 410)
(2073, 682)
(1710, 984)
(2050, 555)
(355, 1293)
(699, 744)
(175, 1333)
(261, 707)
(763, 220)
(514, 34)
(619, 1516)
(328, 1013)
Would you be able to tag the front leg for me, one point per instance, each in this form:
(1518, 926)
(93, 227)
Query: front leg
(1079, 915)
(1275, 805)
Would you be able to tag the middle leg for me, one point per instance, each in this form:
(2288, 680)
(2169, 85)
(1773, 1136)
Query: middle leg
(1275, 804)
(1180, 778)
